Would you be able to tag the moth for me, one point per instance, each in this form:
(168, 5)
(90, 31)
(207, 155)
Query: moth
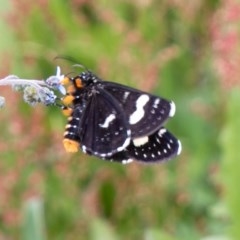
(116, 122)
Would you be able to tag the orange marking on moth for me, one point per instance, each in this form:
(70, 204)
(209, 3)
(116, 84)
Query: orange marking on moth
(67, 126)
(71, 145)
(67, 112)
(78, 82)
(65, 81)
(71, 89)
(68, 100)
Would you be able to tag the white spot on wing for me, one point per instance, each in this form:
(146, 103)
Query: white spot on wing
(172, 109)
(140, 141)
(137, 115)
(109, 119)
(127, 161)
(161, 132)
(156, 102)
(179, 147)
(125, 96)
(84, 149)
(126, 143)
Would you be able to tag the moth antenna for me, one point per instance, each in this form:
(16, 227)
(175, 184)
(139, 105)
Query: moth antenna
(81, 66)
(70, 73)
(72, 60)
(64, 57)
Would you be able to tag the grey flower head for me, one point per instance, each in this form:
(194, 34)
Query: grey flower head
(31, 96)
(47, 96)
(55, 82)
(36, 91)
(2, 102)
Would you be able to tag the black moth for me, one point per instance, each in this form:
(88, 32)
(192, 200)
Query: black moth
(117, 123)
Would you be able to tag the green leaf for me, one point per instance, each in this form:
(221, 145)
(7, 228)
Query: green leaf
(156, 234)
(230, 174)
(101, 230)
(33, 220)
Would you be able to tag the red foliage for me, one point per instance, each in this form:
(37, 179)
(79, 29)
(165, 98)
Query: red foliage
(225, 43)
(21, 9)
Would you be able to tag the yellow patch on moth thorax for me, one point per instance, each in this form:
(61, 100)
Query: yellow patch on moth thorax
(78, 83)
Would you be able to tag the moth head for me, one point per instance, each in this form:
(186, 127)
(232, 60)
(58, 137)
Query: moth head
(82, 80)
(86, 76)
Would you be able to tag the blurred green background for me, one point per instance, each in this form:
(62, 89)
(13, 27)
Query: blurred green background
(187, 51)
